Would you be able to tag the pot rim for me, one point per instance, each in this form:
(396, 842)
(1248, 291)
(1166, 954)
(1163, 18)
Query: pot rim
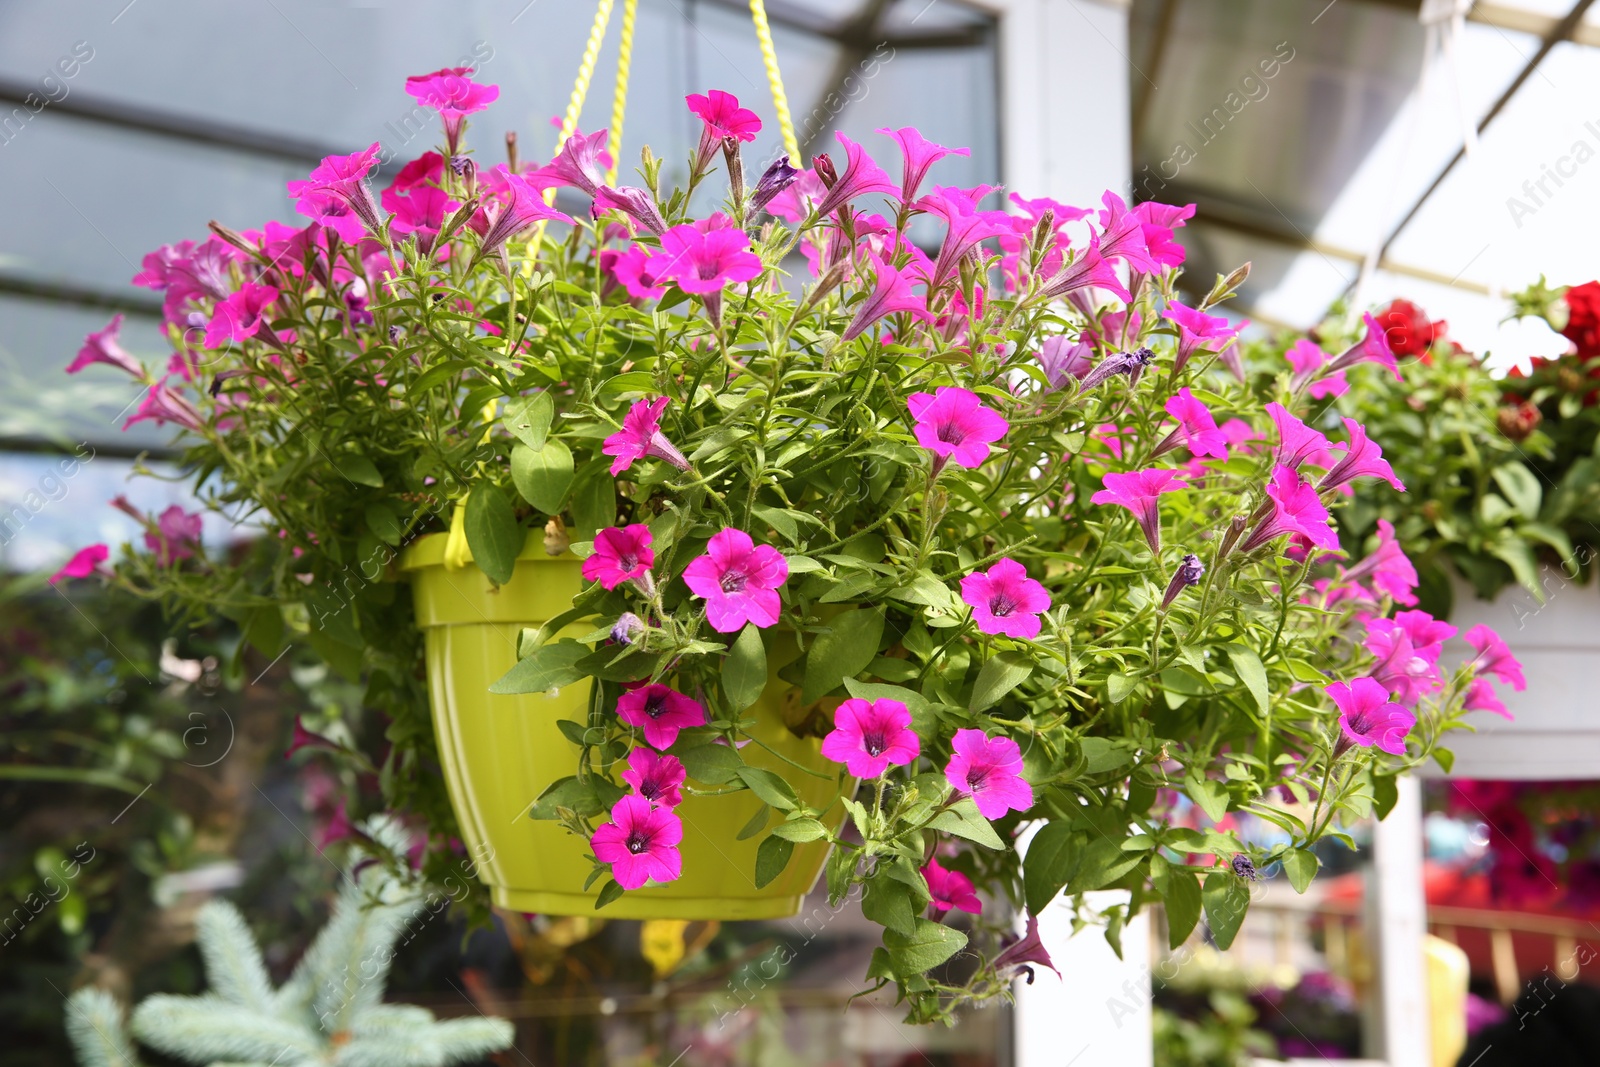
(428, 551)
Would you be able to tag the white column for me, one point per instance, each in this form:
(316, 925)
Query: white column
(1064, 97)
(1396, 921)
(1098, 1012)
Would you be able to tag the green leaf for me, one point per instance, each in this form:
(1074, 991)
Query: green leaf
(382, 522)
(888, 903)
(493, 533)
(1385, 794)
(963, 820)
(801, 830)
(551, 666)
(529, 417)
(544, 476)
(1118, 686)
(1301, 865)
(712, 764)
(744, 671)
(1102, 863)
(1049, 864)
(594, 505)
(1226, 897)
(1180, 894)
(1254, 676)
(1521, 487)
(1000, 674)
(1212, 797)
(843, 652)
(757, 823)
(358, 469)
(928, 945)
(769, 787)
(772, 856)
(569, 793)
(608, 892)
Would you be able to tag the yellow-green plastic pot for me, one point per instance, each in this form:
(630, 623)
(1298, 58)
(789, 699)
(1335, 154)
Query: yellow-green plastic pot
(500, 752)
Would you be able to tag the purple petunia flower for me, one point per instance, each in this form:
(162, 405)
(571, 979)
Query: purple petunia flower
(952, 423)
(641, 437)
(640, 842)
(1138, 491)
(738, 579)
(660, 712)
(989, 770)
(658, 778)
(950, 889)
(870, 737)
(1367, 717)
(1004, 600)
(621, 554)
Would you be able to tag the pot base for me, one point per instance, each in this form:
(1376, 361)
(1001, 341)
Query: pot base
(640, 904)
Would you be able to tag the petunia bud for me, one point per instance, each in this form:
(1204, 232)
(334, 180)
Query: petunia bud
(233, 237)
(1236, 528)
(735, 162)
(628, 626)
(775, 180)
(1130, 363)
(1244, 867)
(824, 168)
(1518, 421)
(511, 151)
(1189, 572)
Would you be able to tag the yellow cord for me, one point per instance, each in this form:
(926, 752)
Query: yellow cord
(619, 98)
(780, 101)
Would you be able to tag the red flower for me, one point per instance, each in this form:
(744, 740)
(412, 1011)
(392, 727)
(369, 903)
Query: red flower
(1408, 330)
(1583, 318)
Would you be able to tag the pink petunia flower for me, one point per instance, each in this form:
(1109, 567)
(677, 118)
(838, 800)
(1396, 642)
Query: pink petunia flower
(641, 437)
(522, 207)
(1403, 672)
(869, 737)
(1158, 221)
(163, 405)
(1198, 331)
(891, 295)
(738, 579)
(303, 738)
(1063, 358)
(660, 712)
(864, 176)
(950, 889)
(989, 770)
(1020, 956)
(640, 842)
(1137, 491)
(422, 211)
(102, 346)
(345, 177)
(633, 202)
(84, 562)
(1307, 358)
(176, 534)
(1387, 566)
(1196, 427)
(1480, 696)
(721, 116)
(582, 163)
(633, 269)
(1297, 442)
(918, 154)
(1004, 600)
(621, 554)
(952, 423)
(704, 261)
(1494, 657)
(454, 95)
(1122, 235)
(1088, 270)
(1367, 717)
(241, 316)
(1372, 348)
(1427, 633)
(966, 226)
(658, 778)
(1296, 508)
(1362, 459)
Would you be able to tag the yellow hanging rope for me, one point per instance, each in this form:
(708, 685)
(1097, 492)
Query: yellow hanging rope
(456, 552)
(619, 97)
(780, 100)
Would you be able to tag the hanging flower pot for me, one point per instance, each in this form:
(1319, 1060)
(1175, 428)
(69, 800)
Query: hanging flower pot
(501, 752)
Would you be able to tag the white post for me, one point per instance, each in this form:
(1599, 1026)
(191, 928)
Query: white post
(1064, 109)
(1396, 922)
(1098, 1011)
